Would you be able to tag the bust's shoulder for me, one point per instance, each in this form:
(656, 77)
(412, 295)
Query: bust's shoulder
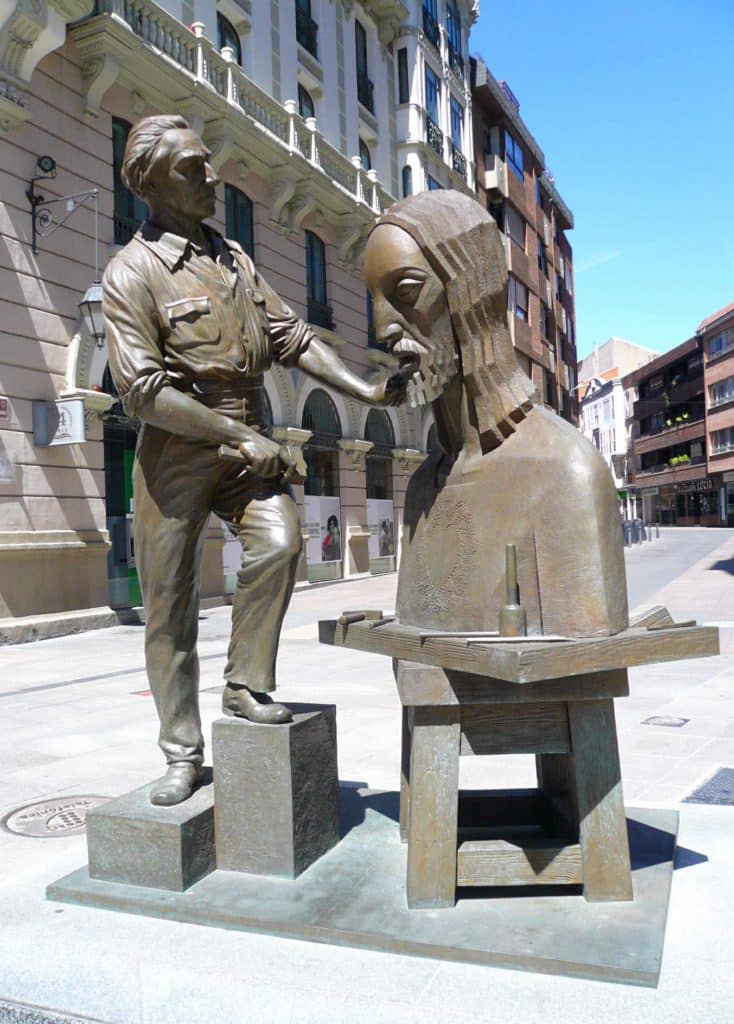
(133, 260)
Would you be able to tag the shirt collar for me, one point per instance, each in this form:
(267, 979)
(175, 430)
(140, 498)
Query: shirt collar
(172, 249)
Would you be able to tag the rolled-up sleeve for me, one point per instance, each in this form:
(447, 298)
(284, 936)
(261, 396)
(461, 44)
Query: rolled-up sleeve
(133, 344)
(290, 336)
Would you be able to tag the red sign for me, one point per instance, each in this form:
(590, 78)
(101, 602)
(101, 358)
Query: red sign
(4, 409)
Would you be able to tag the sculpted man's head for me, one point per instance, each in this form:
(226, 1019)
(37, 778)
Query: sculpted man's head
(167, 165)
(435, 268)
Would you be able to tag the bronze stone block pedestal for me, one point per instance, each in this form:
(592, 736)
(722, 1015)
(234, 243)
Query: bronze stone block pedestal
(276, 792)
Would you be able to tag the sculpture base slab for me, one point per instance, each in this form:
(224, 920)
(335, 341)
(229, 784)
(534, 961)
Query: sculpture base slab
(355, 896)
(133, 841)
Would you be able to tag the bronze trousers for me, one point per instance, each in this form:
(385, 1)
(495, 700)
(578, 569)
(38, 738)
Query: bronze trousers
(177, 484)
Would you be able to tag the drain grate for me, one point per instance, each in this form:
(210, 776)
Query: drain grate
(64, 816)
(718, 789)
(667, 720)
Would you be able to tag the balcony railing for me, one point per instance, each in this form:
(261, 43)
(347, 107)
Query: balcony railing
(456, 61)
(307, 32)
(124, 228)
(430, 28)
(458, 160)
(366, 91)
(200, 62)
(320, 314)
(434, 136)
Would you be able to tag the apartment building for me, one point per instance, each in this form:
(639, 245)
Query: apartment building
(670, 476)
(515, 185)
(606, 408)
(717, 336)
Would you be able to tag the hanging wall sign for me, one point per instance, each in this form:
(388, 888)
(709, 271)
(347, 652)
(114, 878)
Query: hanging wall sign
(59, 422)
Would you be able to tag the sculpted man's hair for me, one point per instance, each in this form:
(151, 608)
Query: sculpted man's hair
(140, 149)
(463, 245)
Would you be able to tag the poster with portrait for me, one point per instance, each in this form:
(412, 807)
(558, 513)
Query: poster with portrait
(323, 527)
(381, 522)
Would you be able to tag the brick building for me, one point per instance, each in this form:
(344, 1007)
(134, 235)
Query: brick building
(516, 187)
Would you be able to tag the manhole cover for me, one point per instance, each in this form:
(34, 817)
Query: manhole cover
(668, 720)
(65, 816)
(719, 789)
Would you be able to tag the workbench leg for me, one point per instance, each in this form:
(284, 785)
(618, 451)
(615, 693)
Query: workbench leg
(602, 824)
(405, 773)
(557, 783)
(434, 806)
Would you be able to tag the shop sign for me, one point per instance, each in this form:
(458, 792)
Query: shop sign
(621, 495)
(695, 486)
(4, 409)
(59, 422)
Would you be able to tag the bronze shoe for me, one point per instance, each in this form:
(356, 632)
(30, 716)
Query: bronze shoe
(176, 785)
(240, 702)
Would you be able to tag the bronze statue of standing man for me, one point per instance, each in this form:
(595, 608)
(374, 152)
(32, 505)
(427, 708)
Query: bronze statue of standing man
(191, 329)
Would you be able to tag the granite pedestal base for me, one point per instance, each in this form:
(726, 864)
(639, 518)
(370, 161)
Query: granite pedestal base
(276, 792)
(355, 896)
(131, 840)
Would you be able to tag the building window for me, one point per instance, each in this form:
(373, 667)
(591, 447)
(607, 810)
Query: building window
(514, 156)
(238, 218)
(517, 298)
(434, 135)
(306, 106)
(306, 28)
(372, 341)
(319, 312)
(545, 322)
(128, 210)
(538, 193)
(365, 86)
(432, 183)
(721, 343)
(430, 22)
(722, 391)
(407, 174)
(227, 35)
(722, 440)
(515, 226)
(364, 155)
(433, 93)
(496, 207)
(453, 39)
(379, 460)
(457, 123)
(321, 452)
(542, 257)
(403, 80)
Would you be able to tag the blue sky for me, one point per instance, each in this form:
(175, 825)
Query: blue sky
(633, 105)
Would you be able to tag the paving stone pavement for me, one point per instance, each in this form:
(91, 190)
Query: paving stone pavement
(77, 719)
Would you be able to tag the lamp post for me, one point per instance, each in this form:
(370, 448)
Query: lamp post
(91, 310)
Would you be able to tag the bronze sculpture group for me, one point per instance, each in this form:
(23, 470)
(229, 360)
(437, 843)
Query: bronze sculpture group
(192, 327)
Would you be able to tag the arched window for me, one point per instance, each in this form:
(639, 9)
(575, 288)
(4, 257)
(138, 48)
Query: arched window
(321, 452)
(364, 155)
(379, 460)
(306, 107)
(238, 218)
(227, 35)
(407, 180)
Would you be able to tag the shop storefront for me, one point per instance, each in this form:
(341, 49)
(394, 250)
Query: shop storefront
(697, 503)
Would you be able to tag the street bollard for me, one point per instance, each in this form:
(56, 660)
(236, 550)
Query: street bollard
(657, 530)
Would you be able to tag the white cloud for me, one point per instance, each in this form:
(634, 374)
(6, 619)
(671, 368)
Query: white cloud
(598, 261)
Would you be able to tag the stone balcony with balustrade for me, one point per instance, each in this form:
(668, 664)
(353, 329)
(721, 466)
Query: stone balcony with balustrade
(137, 44)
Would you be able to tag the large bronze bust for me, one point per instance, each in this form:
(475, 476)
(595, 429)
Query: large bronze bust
(508, 470)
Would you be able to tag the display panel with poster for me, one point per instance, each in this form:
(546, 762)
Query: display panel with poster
(324, 543)
(382, 542)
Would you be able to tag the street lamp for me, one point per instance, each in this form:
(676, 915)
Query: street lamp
(91, 310)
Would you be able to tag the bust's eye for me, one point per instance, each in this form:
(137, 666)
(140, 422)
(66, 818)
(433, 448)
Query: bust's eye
(407, 289)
